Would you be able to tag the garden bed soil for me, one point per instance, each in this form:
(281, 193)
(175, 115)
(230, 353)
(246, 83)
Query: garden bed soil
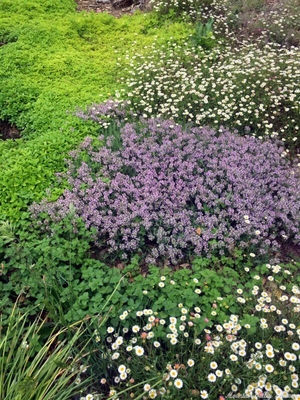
(115, 7)
(8, 131)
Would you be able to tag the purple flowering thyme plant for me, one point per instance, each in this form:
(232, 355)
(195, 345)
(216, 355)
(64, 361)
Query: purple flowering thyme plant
(168, 192)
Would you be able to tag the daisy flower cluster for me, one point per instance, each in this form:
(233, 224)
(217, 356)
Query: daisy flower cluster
(253, 90)
(254, 354)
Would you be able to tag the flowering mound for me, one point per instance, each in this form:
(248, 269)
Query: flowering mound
(167, 192)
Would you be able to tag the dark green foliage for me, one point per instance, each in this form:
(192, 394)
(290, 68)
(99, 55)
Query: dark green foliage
(203, 36)
(32, 262)
(60, 270)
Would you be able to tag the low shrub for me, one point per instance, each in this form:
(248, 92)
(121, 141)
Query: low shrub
(177, 9)
(169, 193)
(253, 20)
(256, 20)
(191, 10)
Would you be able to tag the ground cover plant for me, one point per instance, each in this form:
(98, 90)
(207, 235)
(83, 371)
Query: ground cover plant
(222, 312)
(253, 353)
(224, 320)
(59, 273)
(169, 192)
(53, 60)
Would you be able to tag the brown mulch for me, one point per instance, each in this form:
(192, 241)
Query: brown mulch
(115, 7)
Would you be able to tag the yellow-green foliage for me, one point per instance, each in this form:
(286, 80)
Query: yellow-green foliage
(30, 7)
(55, 59)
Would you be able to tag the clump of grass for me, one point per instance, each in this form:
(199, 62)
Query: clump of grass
(36, 362)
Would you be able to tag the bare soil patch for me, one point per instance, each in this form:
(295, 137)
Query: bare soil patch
(8, 131)
(115, 7)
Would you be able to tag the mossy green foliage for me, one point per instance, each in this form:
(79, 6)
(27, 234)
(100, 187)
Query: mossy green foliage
(54, 59)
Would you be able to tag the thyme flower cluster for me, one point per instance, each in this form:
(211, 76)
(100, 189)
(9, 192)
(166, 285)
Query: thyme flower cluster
(168, 192)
